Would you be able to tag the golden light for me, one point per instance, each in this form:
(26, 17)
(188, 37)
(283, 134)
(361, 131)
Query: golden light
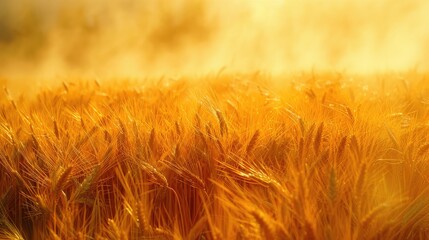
(144, 38)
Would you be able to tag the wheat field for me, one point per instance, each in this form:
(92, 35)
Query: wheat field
(214, 119)
(222, 156)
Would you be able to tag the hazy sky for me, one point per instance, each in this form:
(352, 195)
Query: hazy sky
(153, 37)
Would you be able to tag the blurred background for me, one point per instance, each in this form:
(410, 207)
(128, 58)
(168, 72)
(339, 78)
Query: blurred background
(116, 38)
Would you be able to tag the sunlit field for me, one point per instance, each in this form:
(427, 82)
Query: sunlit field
(229, 157)
(214, 120)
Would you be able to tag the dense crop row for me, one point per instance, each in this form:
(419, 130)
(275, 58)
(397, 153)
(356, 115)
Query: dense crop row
(221, 157)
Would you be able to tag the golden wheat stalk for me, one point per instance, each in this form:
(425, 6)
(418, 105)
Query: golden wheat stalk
(318, 138)
(393, 138)
(350, 114)
(62, 178)
(222, 123)
(360, 185)
(268, 228)
(341, 147)
(252, 143)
